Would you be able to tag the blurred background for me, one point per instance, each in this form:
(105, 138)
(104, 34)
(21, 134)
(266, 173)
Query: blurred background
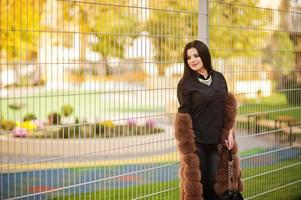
(88, 94)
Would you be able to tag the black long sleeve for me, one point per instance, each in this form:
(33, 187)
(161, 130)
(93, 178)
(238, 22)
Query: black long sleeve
(206, 105)
(184, 97)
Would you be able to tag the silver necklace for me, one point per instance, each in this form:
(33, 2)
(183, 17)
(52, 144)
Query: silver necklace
(205, 81)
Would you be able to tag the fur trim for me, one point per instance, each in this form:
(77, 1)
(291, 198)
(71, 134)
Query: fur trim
(188, 197)
(192, 188)
(240, 185)
(230, 111)
(186, 136)
(181, 172)
(191, 160)
(187, 147)
(182, 193)
(220, 187)
(192, 174)
(234, 150)
(183, 126)
(189, 173)
(230, 115)
(236, 161)
(221, 177)
(224, 134)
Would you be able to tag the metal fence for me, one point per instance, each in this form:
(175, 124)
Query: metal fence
(258, 49)
(88, 95)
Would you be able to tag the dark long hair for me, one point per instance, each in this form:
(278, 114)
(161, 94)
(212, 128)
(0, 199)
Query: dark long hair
(203, 52)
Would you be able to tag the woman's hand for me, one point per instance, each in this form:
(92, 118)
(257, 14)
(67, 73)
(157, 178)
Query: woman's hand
(230, 140)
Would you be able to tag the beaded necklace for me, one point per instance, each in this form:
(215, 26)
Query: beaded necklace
(205, 81)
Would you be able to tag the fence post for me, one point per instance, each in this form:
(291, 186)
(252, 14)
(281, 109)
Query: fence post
(290, 134)
(203, 25)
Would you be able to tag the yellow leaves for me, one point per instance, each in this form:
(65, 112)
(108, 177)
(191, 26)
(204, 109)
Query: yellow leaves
(107, 123)
(19, 21)
(29, 125)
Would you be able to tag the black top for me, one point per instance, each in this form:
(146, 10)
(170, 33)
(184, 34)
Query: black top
(206, 106)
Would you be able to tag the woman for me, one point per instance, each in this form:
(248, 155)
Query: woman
(202, 94)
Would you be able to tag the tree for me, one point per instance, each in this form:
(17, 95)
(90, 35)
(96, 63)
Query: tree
(115, 26)
(238, 29)
(280, 50)
(235, 29)
(19, 21)
(109, 21)
(295, 34)
(287, 44)
(77, 13)
(170, 29)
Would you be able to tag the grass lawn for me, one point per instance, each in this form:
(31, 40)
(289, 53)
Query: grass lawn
(278, 110)
(92, 104)
(133, 192)
(276, 107)
(273, 180)
(276, 103)
(253, 186)
(251, 152)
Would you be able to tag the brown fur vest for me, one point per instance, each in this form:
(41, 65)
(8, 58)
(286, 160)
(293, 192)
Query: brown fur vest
(189, 173)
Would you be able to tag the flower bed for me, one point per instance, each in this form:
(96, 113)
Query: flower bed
(95, 131)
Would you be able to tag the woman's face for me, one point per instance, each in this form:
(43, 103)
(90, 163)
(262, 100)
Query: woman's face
(194, 60)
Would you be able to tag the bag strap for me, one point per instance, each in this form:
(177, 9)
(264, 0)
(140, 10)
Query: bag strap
(231, 177)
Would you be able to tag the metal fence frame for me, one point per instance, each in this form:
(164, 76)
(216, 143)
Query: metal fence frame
(122, 174)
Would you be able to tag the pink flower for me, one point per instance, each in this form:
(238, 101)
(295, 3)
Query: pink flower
(40, 124)
(150, 123)
(20, 132)
(131, 122)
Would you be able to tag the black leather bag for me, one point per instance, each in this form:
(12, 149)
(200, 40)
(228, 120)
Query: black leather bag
(231, 194)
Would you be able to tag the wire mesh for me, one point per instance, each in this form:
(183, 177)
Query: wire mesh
(86, 112)
(257, 49)
(88, 95)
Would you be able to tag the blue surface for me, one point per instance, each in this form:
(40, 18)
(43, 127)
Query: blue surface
(24, 183)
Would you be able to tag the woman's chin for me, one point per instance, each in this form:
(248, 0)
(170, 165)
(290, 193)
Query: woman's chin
(196, 68)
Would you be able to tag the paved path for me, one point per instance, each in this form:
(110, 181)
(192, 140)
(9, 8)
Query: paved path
(131, 160)
(27, 153)
(246, 142)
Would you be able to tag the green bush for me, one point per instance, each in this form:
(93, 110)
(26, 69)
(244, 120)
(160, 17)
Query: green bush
(29, 116)
(16, 105)
(7, 125)
(76, 131)
(292, 89)
(54, 118)
(69, 132)
(99, 131)
(125, 130)
(67, 110)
